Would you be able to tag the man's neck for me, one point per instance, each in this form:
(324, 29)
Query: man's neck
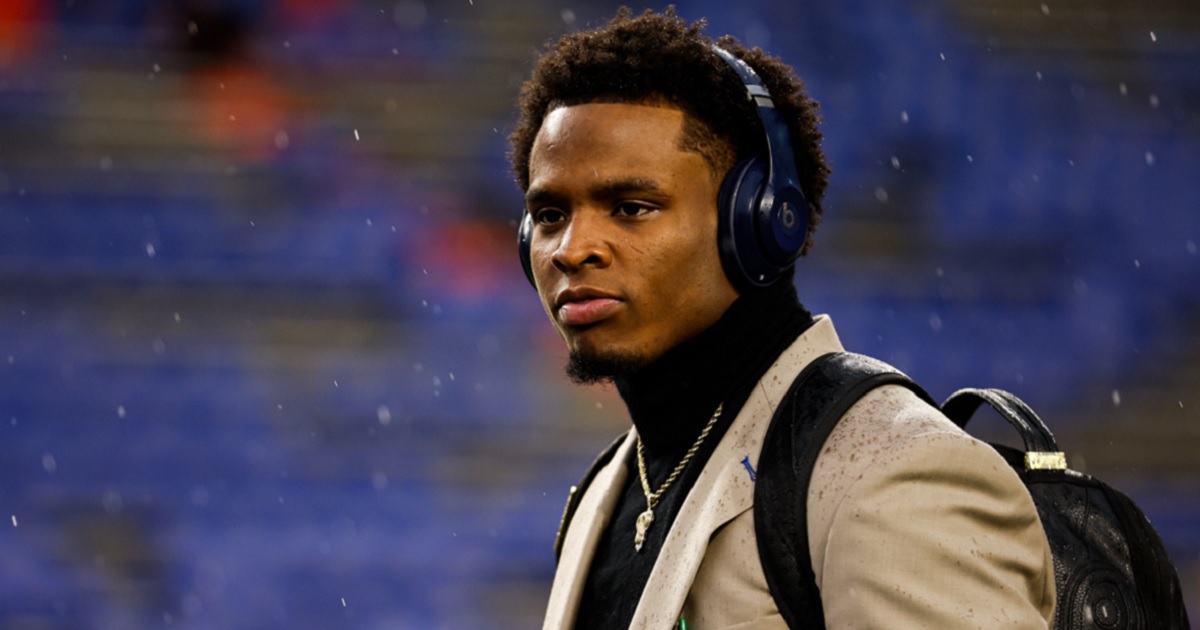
(671, 399)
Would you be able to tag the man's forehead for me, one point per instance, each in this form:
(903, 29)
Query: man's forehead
(614, 118)
(596, 144)
(655, 129)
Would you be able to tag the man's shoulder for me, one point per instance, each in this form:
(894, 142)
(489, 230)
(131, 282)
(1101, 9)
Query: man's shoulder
(894, 413)
(898, 484)
(892, 423)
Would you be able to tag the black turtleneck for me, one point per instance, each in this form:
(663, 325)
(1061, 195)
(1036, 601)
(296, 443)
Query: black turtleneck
(670, 401)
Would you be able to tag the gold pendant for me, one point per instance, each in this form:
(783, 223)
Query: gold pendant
(644, 520)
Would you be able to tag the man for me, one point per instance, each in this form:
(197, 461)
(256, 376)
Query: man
(629, 136)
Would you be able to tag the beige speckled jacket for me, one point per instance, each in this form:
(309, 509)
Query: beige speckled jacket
(913, 523)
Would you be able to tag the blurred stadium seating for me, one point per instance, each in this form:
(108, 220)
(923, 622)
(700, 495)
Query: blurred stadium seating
(267, 358)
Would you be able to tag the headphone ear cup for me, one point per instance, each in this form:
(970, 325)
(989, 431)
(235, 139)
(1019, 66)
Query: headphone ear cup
(524, 236)
(738, 229)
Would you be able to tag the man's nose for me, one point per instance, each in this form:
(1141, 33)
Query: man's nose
(582, 244)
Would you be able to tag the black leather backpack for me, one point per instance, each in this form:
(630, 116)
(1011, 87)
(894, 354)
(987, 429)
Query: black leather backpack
(1111, 570)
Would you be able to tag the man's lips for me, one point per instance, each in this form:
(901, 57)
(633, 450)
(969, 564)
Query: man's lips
(586, 311)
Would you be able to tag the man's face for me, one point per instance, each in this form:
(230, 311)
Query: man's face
(624, 246)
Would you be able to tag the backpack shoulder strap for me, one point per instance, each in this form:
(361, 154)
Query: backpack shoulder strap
(577, 490)
(814, 404)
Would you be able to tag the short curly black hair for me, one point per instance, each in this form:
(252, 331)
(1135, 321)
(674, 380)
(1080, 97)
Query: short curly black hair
(658, 58)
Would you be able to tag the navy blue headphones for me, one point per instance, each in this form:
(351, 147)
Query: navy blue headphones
(763, 213)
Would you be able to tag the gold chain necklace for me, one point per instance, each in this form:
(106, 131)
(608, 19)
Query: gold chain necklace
(645, 519)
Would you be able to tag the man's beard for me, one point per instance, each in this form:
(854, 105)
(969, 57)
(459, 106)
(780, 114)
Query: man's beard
(591, 369)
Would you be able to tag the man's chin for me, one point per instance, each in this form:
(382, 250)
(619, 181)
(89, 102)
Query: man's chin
(588, 368)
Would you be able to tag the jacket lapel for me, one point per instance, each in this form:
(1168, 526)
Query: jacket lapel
(590, 519)
(725, 488)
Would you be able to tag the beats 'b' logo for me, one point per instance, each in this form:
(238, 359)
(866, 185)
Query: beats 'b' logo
(787, 215)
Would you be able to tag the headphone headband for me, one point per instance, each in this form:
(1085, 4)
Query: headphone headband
(779, 145)
(775, 209)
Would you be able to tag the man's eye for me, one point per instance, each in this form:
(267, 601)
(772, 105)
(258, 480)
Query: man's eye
(548, 216)
(632, 209)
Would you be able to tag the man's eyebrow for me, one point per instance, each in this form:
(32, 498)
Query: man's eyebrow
(616, 188)
(540, 196)
(604, 190)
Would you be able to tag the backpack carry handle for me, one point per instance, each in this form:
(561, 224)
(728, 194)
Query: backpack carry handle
(1041, 449)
